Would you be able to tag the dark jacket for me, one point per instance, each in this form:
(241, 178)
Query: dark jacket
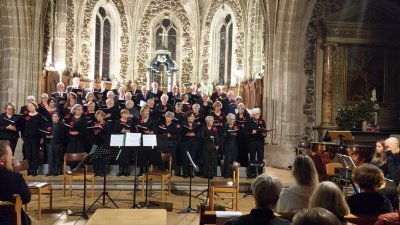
(15, 185)
(393, 163)
(361, 203)
(258, 217)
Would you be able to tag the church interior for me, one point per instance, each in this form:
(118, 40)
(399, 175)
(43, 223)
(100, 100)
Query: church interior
(322, 73)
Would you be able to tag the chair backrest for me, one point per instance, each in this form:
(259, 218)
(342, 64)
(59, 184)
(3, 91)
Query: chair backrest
(235, 169)
(167, 157)
(21, 166)
(330, 168)
(11, 210)
(72, 157)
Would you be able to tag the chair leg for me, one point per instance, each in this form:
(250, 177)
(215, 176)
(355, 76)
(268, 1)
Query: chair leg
(70, 187)
(39, 204)
(169, 185)
(92, 188)
(142, 186)
(162, 187)
(51, 198)
(64, 183)
(211, 200)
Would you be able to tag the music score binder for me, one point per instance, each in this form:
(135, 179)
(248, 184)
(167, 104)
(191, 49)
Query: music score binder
(127, 140)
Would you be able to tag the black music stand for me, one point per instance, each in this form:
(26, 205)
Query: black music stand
(348, 165)
(192, 166)
(82, 164)
(149, 156)
(109, 155)
(342, 136)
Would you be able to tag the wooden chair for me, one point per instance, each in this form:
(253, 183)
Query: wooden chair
(8, 209)
(77, 175)
(231, 187)
(36, 188)
(330, 169)
(164, 175)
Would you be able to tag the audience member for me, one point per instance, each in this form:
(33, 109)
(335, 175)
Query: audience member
(12, 183)
(265, 189)
(296, 197)
(315, 216)
(328, 195)
(370, 179)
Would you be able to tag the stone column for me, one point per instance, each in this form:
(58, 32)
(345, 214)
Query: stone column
(327, 84)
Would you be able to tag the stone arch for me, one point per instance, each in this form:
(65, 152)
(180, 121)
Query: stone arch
(143, 55)
(87, 48)
(239, 42)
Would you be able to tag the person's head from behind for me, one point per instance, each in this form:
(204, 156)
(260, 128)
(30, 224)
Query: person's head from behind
(6, 156)
(328, 195)
(266, 190)
(368, 177)
(315, 216)
(304, 171)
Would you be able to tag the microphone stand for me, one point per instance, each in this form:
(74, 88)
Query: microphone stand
(191, 167)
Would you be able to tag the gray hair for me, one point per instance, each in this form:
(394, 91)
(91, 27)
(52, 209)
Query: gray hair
(128, 95)
(169, 114)
(266, 190)
(255, 111)
(75, 107)
(110, 93)
(196, 106)
(231, 116)
(164, 96)
(209, 118)
(178, 104)
(30, 98)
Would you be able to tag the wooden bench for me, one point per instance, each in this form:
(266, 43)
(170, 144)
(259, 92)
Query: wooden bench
(209, 217)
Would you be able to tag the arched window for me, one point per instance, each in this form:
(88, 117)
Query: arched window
(166, 36)
(225, 51)
(102, 45)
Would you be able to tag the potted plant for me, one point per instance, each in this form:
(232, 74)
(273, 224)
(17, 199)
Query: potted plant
(357, 116)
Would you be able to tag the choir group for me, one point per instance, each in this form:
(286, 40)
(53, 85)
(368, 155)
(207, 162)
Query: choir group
(215, 130)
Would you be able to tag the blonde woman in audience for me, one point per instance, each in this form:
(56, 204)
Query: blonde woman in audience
(295, 197)
(328, 195)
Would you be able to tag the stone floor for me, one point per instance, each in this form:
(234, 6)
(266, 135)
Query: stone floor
(122, 194)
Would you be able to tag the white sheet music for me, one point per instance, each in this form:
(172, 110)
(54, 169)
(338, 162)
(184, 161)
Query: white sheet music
(117, 140)
(133, 139)
(149, 140)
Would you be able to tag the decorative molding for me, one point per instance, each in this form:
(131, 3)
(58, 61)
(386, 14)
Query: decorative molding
(46, 31)
(70, 35)
(153, 9)
(252, 39)
(85, 38)
(239, 51)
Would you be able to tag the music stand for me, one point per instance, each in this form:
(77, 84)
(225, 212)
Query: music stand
(82, 164)
(342, 135)
(192, 166)
(109, 155)
(149, 156)
(348, 165)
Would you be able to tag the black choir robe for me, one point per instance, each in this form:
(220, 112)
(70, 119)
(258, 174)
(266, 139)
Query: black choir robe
(209, 139)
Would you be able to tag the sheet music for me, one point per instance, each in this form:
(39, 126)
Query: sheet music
(149, 140)
(133, 139)
(117, 140)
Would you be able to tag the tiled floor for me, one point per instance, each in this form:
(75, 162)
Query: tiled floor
(124, 198)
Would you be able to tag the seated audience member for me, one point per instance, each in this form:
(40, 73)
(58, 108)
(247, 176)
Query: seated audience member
(388, 219)
(379, 157)
(296, 197)
(369, 202)
(15, 184)
(328, 195)
(315, 216)
(393, 158)
(265, 189)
